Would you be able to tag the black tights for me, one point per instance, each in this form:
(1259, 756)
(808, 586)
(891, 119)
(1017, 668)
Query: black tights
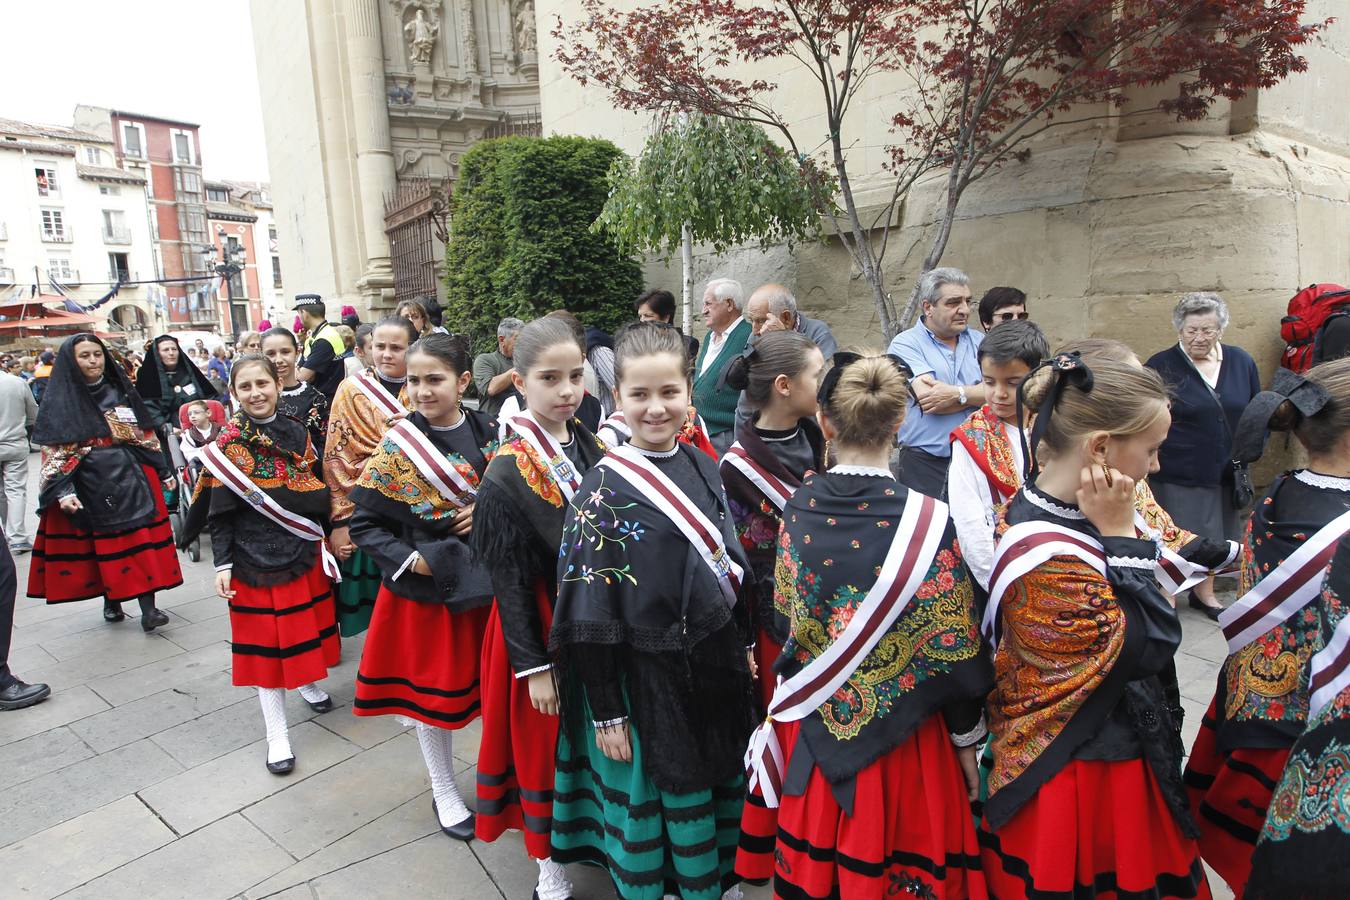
(147, 602)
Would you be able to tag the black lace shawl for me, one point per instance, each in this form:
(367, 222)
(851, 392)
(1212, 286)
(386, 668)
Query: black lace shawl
(640, 616)
(155, 383)
(70, 412)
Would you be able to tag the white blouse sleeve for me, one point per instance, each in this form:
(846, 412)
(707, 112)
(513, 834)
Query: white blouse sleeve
(972, 512)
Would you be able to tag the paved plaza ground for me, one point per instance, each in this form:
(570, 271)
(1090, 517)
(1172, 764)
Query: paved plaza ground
(142, 776)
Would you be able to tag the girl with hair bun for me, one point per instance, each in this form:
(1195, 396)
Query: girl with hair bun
(779, 374)
(414, 514)
(649, 641)
(1260, 704)
(869, 751)
(1085, 785)
(519, 516)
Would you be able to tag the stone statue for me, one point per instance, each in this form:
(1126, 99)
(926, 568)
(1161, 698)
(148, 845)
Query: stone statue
(421, 34)
(524, 22)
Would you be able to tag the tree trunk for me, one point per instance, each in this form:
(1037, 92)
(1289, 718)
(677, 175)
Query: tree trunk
(934, 256)
(862, 239)
(687, 260)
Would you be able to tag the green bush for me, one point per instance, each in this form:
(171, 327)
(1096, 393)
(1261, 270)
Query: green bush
(520, 238)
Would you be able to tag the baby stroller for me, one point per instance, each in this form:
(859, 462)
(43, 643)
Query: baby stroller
(188, 465)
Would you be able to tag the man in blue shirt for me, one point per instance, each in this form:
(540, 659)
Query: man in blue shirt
(943, 353)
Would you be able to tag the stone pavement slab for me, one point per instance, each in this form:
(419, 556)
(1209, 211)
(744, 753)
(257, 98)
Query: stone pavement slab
(81, 849)
(44, 752)
(237, 780)
(216, 863)
(62, 708)
(159, 711)
(174, 669)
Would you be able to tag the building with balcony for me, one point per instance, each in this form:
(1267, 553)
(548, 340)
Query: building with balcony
(255, 199)
(74, 222)
(166, 155)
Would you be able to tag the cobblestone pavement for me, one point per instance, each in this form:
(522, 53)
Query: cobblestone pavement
(142, 776)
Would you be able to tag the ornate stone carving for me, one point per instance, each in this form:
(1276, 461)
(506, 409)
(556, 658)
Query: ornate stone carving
(421, 33)
(470, 35)
(523, 24)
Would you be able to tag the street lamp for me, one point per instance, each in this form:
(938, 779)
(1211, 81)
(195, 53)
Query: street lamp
(232, 260)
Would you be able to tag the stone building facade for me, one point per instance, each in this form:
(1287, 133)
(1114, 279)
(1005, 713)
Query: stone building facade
(362, 96)
(1103, 224)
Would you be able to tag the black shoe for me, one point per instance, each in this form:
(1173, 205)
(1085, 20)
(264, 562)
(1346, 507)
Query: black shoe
(460, 831)
(1212, 611)
(112, 612)
(153, 619)
(285, 767)
(18, 695)
(321, 706)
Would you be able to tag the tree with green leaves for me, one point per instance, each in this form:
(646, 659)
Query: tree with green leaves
(717, 181)
(520, 239)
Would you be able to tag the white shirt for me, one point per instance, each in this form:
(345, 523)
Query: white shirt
(715, 341)
(972, 505)
(510, 407)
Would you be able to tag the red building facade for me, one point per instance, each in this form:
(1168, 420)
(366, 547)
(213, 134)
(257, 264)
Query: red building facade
(168, 154)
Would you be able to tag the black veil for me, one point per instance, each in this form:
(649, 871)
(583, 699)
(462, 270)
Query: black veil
(69, 412)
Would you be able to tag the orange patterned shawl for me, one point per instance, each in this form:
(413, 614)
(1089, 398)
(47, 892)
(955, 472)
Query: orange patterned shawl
(355, 429)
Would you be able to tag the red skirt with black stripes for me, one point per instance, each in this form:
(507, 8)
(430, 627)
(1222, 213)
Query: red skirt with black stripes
(518, 748)
(911, 832)
(1096, 829)
(285, 635)
(1229, 795)
(70, 563)
(421, 661)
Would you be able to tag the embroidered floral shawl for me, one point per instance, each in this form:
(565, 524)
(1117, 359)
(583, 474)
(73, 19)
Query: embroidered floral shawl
(355, 429)
(836, 532)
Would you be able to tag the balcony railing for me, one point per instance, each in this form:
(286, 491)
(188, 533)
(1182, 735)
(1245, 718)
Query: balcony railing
(4, 232)
(57, 235)
(117, 275)
(117, 234)
(70, 276)
(6, 275)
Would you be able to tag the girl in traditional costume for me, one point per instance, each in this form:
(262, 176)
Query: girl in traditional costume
(650, 640)
(1304, 850)
(1085, 787)
(518, 522)
(364, 407)
(300, 400)
(1260, 706)
(869, 751)
(103, 528)
(614, 431)
(267, 510)
(414, 512)
(779, 374)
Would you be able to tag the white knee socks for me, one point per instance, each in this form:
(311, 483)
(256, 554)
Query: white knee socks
(313, 693)
(436, 743)
(274, 716)
(553, 883)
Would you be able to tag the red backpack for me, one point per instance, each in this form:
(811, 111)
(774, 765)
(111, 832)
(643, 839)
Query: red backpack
(1309, 311)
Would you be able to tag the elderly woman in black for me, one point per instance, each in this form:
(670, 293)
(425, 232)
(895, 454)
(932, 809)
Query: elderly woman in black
(1211, 382)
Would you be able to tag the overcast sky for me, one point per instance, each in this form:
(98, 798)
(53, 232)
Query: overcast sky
(180, 59)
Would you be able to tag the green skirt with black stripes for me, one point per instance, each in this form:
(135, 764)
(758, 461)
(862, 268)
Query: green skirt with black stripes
(354, 596)
(653, 843)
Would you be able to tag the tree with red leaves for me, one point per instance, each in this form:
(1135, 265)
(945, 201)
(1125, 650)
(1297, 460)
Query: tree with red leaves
(986, 77)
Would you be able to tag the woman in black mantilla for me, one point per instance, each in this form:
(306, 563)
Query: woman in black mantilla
(167, 380)
(876, 776)
(103, 528)
(421, 658)
(650, 646)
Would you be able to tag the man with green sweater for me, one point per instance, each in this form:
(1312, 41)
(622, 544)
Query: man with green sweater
(728, 333)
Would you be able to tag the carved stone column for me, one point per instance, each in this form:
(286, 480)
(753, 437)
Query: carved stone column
(329, 79)
(374, 152)
(470, 37)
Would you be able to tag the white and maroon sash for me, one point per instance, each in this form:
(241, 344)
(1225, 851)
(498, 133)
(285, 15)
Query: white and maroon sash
(307, 529)
(1330, 670)
(1294, 584)
(431, 464)
(630, 465)
(774, 488)
(1174, 573)
(1027, 545)
(917, 539)
(550, 451)
(614, 430)
(377, 395)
